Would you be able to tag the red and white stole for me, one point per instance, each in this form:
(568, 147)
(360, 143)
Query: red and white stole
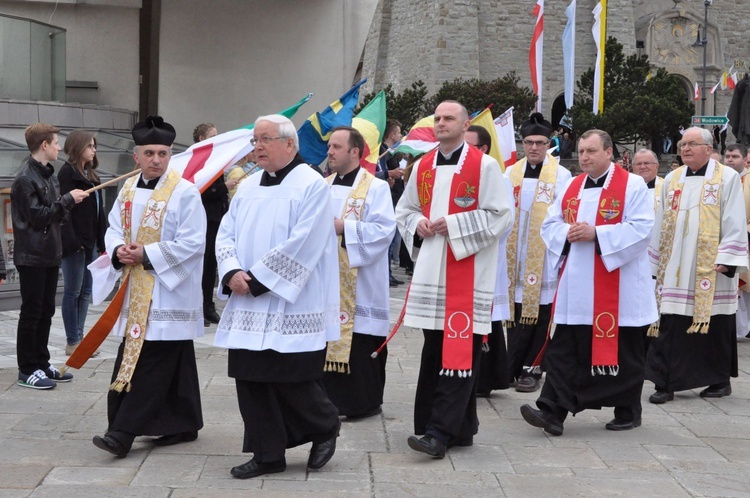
(609, 211)
(458, 328)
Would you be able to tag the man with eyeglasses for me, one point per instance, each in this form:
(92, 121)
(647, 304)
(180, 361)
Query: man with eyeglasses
(696, 254)
(646, 165)
(278, 266)
(537, 180)
(452, 213)
(597, 233)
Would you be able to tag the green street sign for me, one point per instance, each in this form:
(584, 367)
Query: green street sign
(709, 120)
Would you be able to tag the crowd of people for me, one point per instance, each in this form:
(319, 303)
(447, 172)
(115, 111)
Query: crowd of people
(598, 281)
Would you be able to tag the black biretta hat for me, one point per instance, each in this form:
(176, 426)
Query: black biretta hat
(153, 131)
(536, 125)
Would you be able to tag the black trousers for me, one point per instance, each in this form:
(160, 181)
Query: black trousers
(281, 415)
(447, 405)
(38, 288)
(526, 341)
(208, 282)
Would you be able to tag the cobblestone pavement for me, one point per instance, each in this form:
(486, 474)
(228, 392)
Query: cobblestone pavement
(689, 447)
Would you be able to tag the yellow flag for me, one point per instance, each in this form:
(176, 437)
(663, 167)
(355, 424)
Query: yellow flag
(484, 119)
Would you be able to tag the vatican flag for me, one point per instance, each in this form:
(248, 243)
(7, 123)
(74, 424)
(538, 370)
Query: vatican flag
(599, 30)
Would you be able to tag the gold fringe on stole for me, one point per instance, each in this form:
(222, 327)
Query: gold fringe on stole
(653, 329)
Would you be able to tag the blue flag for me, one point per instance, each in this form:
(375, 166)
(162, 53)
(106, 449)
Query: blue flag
(315, 131)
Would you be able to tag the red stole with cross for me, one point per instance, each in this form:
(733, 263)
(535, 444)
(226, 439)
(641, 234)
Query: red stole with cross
(458, 328)
(605, 327)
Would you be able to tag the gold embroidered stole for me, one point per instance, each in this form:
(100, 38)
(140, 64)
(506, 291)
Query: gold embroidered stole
(141, 281)
(337, 352)
(709, 224)
(535, 248)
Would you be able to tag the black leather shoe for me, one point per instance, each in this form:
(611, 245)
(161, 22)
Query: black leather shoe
(182, 437)
(716, 392)
(617, 424)
(110, 444)
(660, 397)
(210, 315)
(544, 420)
(396, 281)
(427, 444)
(527, 385)
(321, 453)
(483, 394)
(255, 469)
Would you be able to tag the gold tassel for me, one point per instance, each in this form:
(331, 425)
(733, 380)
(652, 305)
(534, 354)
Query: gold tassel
(653, 330)
(704, 328)
(120, 386)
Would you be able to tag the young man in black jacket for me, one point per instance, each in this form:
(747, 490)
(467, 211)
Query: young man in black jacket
(37, 209)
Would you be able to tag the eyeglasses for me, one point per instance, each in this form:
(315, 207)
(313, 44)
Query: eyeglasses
(644, 163)
(265, 140)
(538, 143)
(692, 145)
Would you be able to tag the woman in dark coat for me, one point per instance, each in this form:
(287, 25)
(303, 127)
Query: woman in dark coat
(82, 233)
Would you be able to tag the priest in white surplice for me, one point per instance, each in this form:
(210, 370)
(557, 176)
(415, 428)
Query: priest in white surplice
(696, 257)
(364, 221)
(157, 237)
(735, 158)
(537, 180)
(455, 206)
(279, 269)
(598, 231)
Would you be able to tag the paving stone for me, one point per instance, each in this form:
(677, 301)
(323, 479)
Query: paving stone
(105, 476)
(20, 476)
(699, 484)
(170, 470)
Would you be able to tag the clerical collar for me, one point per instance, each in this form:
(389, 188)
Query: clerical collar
(275, 178)
(700, 172)
(652, 183)
(147, 184)
(533, 170)
(596, 182)
(451, 158)
(346, 180)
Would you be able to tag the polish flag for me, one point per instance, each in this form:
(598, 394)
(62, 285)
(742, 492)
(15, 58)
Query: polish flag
(536, 52)
(732, 81)
(506, 137)
(206, 161)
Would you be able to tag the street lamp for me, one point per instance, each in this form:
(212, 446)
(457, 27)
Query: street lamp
(703, 42)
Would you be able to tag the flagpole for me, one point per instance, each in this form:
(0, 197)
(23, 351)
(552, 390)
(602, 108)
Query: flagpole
(113, 181)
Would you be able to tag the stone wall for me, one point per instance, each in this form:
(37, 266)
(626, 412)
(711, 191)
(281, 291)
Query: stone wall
(440, 40)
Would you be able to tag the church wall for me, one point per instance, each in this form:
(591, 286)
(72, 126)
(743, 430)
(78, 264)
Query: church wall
(439, 41)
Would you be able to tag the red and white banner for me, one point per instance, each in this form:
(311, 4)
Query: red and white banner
(697, 91)
(506, 137)
(205, 161)
(536, 53)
